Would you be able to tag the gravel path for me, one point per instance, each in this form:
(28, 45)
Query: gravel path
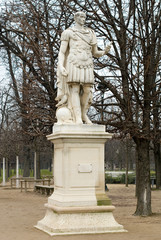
(21, 211)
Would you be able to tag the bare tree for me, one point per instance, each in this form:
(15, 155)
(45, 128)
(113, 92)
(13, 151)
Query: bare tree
(30, 33)
(127, 78)
(8, 138)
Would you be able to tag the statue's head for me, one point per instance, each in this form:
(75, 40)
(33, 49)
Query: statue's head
(80, 17)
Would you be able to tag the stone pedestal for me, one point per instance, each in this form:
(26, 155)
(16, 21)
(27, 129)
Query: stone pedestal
(79, 203)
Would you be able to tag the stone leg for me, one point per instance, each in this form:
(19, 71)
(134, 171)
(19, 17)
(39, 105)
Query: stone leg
(74, 90)
(86, 100)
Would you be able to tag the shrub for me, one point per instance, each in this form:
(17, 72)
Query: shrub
(119, 179)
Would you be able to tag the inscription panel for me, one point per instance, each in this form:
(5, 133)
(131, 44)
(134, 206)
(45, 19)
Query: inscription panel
(85, 168)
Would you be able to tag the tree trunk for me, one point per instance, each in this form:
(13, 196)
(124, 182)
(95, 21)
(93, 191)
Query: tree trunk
(143, 179)
(4, 172)
(0, 169)
(38, 174)
(7, 169)
(157, 158)
(127, 163)
(26, 172)
(136, 170)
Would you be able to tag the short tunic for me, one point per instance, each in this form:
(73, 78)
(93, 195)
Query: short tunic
(79, 62)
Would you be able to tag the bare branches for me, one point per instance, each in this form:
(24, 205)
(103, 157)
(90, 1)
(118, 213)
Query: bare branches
(32, 33)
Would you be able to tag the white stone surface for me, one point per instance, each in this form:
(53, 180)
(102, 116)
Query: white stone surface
(85, 168)
(72, 128)
(84, 131)
(79, 183)
(78, 223)
(75, 77)
(63, 115)
(78, 164)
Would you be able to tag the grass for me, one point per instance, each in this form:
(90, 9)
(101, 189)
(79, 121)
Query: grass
(108, 178)
(13, 173)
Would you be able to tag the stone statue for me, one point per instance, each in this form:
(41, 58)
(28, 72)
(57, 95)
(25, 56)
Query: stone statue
(75, 77)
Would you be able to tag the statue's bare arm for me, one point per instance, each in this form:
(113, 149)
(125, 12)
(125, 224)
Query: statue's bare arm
(98, 53)
(61, 57)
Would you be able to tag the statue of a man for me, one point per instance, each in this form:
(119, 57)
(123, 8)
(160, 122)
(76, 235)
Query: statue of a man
(75, 77)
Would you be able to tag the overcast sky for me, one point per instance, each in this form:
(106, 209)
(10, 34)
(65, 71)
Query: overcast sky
(3, 74)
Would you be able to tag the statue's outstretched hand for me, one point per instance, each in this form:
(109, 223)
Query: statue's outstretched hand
(107, 48)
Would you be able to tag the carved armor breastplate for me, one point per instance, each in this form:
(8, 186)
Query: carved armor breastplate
(80, 53)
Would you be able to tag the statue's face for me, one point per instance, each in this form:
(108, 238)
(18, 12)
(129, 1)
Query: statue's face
(80, 19)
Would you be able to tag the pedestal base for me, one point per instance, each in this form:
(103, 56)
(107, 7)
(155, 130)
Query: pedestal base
(79, 220)
(79, 203)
